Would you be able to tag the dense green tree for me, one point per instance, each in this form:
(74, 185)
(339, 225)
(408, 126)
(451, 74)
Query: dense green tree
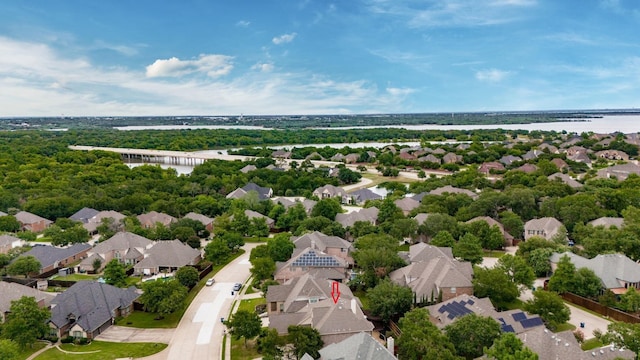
(263, 268)
(362, 228)
(292, 218)
(270, 344)
(163, 297)
(4, 260)
(9, 223)
(217, 251)
(422, 340)
(625, 335)
(24, 265)
(509, 347)
(471, 334)
(389, 300)
(517, 269)
(187, 276)
(389, 211)
(439, 222)
(233, 240)
(468, 248)
(258, 227)
(495, 284)
(512, 224)
(305, 340)
(8, 350)
(26, 322)
(376, 263)
(244, 324)
(327, 207)
(280, 247)
(630, 300)
(376, 241)
(563, 278)
(550, 307)
(443, 239)
(539, 261)
(115, 274)
(586, 283)
(608, 298)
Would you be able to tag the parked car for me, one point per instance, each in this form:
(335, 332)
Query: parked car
(210, 282)
(237, 286)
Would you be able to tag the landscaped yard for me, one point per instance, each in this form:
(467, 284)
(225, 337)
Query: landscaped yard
(250, 304)
(591, 344)
(239, 352)
(100, 350)
(140, 319)
(24, 354)
(77, 277)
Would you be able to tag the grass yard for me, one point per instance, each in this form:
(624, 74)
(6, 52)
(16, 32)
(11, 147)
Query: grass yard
(24, 354)
(249, 289)
(145, 320)
(240, 352)
(250, 304)
(103, 351)
(362, 295)
(592, 343)
(494, 253)
(564, 327)
(77, 277)
(255, 239)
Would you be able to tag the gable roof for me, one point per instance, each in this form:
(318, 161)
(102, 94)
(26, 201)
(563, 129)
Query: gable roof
(549, 225)
(363, 195)
(13, 291)
(330, 190)
(122, 241)
(93, 223)
(25, 217)
(8, 240)
(360, 346)
(421, 218)
(366, 214)
(608, 222)
(610, 268)
(406, 204)
(49, 255)
(153, 217)
(565, 179)
(295, 293)
(92, 303)
(83, 215)
(205, 220)
(426, 278)
(263, 192)
(248, 168)
(320, 241)
(425, 252)
(254, 214)
(169, 253)
(453, 190)
(621, 172)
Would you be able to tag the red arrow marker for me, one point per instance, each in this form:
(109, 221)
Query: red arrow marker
(335, 291)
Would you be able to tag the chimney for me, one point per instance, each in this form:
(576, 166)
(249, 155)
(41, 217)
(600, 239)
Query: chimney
(391, 345)
(354, 306)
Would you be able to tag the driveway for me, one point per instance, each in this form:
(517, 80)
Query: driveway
(128, 334)
(199, 333)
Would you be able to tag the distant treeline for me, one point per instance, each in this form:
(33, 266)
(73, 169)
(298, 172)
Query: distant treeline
(309, 121)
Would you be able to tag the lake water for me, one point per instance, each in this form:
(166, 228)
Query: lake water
(606, 124)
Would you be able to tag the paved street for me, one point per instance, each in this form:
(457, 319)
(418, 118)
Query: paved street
(199, 334)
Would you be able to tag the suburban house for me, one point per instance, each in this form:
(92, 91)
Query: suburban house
(330, 191)
(559, 163)
(8, 242)
(358, 346)
(563, 345)
(607, 222)
(256, 215)
(203, 219)
(489, 167)
(546, 227)
(619, 172)
(430, 158)
(406, 204)
(83, 215)
(308, 204)
(451, 158)
(248, 168)
(514, 321)
(264, 193)
(167, 256)
(152, 218)
(308, 301)
(433, 274)
(509, 159)
(565, 179)
(313, 262)
(12, 291)
(453, 190)
(616, 271)
(527, 168)
(367, 214)
(552, 149)
(92, 224)
(532, 154)
(612, 155)
(331, 245)
(32, 222)
(88, 308)
(128, 248)
(52, 257)
(361, 196)
(508, 239)
(281, 154)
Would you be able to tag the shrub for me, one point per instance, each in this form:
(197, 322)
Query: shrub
(67, 340)
(82, 341)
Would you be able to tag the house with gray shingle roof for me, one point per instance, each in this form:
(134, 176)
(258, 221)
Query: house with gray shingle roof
(203, 219)
(608, 222)
(13, 291)
(152, 218)
(83, 215)
(52, 257)
(32, 222)
(508, 239)
(360, 346)
(167, 256)
(114, 216)
(367, 214)
(330, 191)
(616, 271)
(307, 301)
(565, 179)
(360, 196)
(453, 190)
(332, 245)
(128, 248)
(546, 227)
(509, 159)
(306, 260)
(406, 204)
(248, 168)
(88, 308)
(619, 172)
(8, 242)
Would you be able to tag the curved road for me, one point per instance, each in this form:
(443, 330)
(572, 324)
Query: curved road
(199, 333)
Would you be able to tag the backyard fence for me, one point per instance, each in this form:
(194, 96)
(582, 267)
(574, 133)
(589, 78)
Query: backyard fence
(594, 306)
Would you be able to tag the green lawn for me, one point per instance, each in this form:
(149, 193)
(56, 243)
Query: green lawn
(515, 304)
(362, 295)
(494, 253)
(404, 247)
(564, 327)
(24, 354)
(77, 277)
(145, 320)
(591, 344)
(250, 289)
(104, 351)
(250, 304)
(240, 352)
(255, 239)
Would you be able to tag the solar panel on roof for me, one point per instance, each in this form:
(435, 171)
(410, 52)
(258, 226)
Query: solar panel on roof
(519, 316)
(528, 323)
(451, 316)
(442, 309)
(502, 321)
(508, 328)
(470, 302)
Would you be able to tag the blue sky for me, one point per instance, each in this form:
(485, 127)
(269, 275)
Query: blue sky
(215, 57)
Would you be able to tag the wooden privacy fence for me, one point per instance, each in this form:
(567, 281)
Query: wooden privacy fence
(614, 314)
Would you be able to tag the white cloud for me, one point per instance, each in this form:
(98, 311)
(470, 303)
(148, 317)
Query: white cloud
(243, 23)
(492, 75)
(263, 67)
(122, 49)
(212, 65)
(283, 39)
(400, 91)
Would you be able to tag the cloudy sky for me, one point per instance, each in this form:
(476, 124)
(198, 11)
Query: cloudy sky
(219, 57)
